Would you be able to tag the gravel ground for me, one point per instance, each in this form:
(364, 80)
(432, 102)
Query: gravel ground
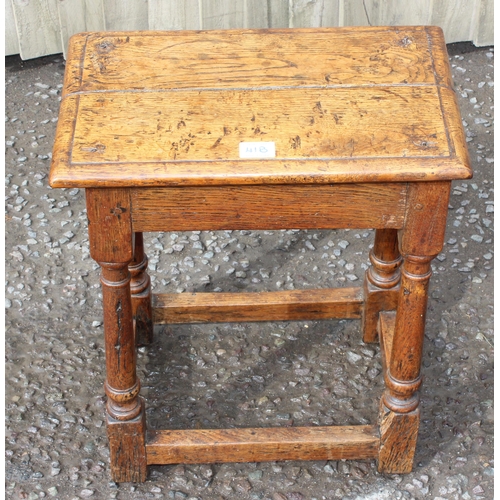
(297, 373)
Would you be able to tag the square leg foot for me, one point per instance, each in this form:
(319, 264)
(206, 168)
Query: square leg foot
(398, 440)
(127, 445)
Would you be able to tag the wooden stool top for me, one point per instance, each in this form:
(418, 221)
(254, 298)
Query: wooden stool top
(338, 105)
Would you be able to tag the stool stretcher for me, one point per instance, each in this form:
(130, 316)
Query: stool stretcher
(262, 444)
(258, 306)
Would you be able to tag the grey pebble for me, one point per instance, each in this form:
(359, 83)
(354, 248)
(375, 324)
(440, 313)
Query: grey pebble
(264, 273)
(352, 357)
(255, 475)
(489, 471)
(283, 416)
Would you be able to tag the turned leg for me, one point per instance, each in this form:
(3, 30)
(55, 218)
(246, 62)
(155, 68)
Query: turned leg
(381, 281)
(420, 240)
(125, 412)
(399, 411)
(140, 288)
(110, 236)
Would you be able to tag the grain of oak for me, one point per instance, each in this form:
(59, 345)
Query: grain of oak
(381, 281)
(386, 325)
(236, 58)
(170, 108)
(268, 207)
(262, 444)
(289, 305)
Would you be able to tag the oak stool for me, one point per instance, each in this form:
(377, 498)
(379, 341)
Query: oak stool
(263, 129)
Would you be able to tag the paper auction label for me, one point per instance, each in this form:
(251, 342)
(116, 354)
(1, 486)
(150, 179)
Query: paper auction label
(257, 150)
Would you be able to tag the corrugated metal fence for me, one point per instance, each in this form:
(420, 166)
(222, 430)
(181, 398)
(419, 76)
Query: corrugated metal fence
(36, 28)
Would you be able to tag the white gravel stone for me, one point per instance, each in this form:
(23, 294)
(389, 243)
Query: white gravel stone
(352, 357)
(264, 273)
(310, 245)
